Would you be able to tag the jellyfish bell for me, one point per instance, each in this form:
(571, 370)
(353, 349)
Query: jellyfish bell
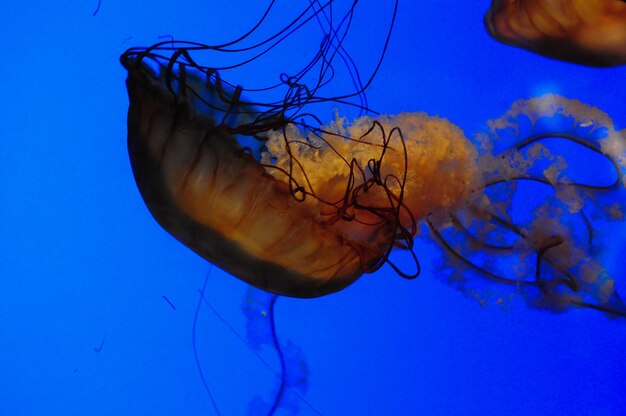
(587, 32)
(206, 191)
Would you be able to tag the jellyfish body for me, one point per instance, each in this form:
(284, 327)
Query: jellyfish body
(209, 192)
(588, 32)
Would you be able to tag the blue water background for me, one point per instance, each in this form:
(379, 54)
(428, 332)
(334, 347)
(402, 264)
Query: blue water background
(84, 325)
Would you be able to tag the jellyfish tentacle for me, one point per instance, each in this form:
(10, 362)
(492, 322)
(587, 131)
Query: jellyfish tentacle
(279, 351)
(549, 237)
(547, 287)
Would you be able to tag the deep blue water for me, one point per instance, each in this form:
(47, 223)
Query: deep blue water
(86, 273)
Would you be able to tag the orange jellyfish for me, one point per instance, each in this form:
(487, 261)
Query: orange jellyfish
(294, 206)
(587, 32)
(317, 208)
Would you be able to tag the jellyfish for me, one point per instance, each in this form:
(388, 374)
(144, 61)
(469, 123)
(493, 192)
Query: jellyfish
(300, 207)
(380, 177)
(587, 32)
